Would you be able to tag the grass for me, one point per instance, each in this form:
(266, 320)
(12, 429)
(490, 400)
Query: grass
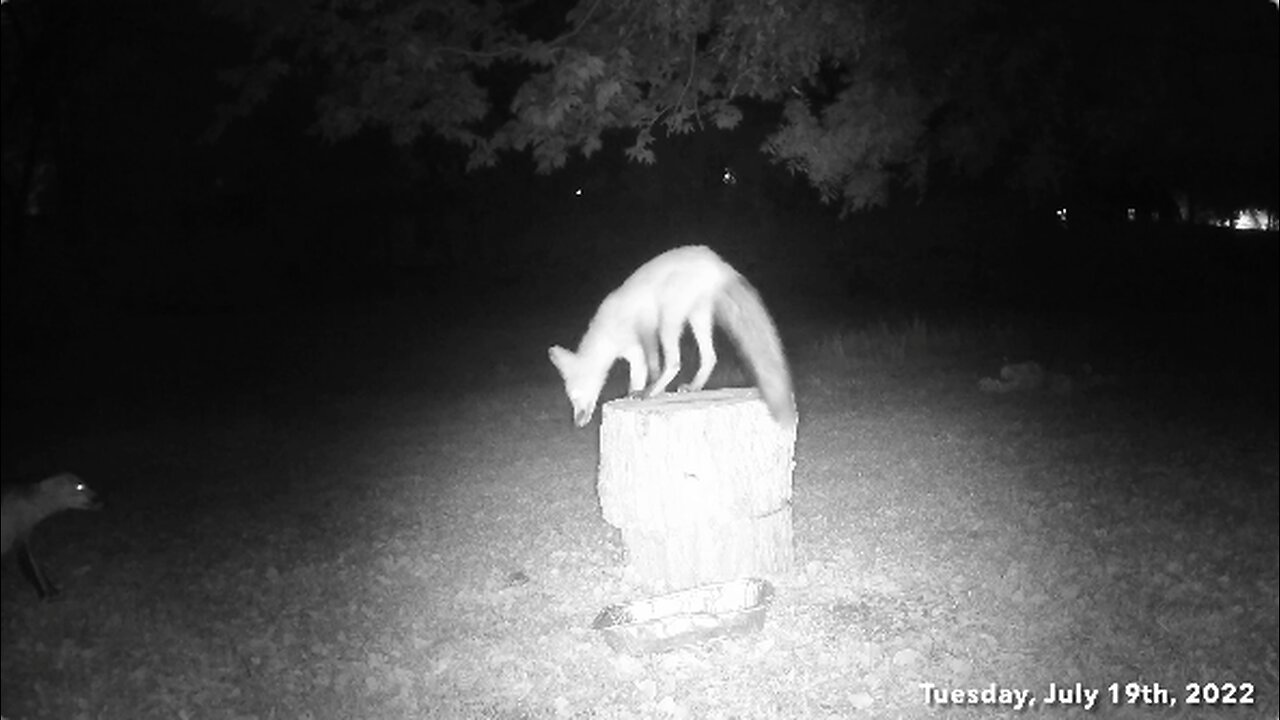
(378, 515)
(886, 342)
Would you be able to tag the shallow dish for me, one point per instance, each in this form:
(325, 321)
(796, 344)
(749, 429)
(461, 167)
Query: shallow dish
(685, 617)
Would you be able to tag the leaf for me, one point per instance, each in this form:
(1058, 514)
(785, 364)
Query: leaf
(539, 53)
(593, 66)
(605, 92)
(640, 151)
(727, 116)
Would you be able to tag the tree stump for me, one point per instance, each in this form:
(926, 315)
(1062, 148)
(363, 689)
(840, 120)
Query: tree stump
(700, 486)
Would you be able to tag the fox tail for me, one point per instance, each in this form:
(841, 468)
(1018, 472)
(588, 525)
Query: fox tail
(742, 313)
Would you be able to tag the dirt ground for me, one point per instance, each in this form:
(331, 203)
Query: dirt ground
(382, 510)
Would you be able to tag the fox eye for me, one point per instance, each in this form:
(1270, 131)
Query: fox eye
(80, 487)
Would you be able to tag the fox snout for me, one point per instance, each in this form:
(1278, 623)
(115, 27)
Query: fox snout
(90, 499)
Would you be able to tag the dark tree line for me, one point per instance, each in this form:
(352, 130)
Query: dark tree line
(1048, 97)
(875, 97)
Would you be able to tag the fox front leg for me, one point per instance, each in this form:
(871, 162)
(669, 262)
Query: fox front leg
(34, 574)
(649, 341)
(637, 365)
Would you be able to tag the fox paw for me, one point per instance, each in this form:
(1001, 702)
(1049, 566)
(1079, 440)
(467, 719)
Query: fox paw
(653, 391)
(688, 387)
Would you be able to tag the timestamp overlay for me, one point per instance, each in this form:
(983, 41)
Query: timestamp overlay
(1087, 697)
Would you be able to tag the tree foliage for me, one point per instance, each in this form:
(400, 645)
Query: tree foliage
(876, 94)
(499, 76)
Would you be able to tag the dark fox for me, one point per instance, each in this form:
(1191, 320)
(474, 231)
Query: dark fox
(23, 507)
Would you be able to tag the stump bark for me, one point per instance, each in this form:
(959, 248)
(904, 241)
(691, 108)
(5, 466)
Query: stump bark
(699, 484)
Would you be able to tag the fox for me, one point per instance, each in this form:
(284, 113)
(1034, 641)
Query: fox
(23, 507)
(689, 285)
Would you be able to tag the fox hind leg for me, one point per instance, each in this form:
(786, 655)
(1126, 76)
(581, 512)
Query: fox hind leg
(701, 324)
(669, 335)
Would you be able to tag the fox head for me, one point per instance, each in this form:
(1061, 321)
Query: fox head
(581, 383)
(66, 491)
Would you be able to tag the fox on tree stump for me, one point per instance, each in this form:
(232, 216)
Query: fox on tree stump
(700, 486)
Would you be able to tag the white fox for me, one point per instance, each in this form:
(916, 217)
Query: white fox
(685, 286)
